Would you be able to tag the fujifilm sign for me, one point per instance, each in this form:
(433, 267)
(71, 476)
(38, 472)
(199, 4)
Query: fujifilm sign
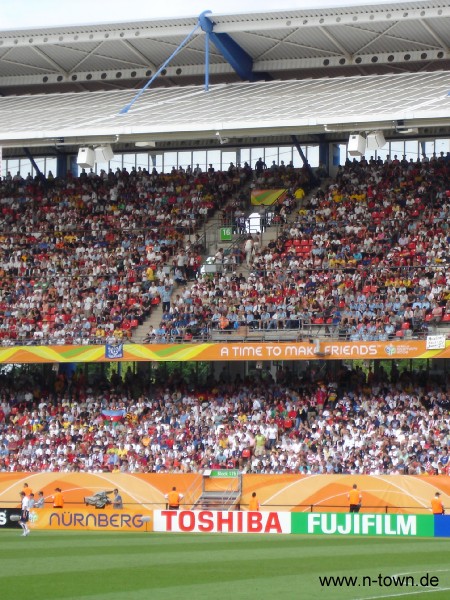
(362, 524)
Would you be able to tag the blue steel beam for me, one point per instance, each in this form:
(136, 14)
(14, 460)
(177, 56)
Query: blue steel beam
(36, 168)
(236, 56)
(306, 164)
(126, 108)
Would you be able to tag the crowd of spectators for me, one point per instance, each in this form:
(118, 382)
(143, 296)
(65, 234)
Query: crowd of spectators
(346, 421)
(366, 257)
(83, 260)
(196, 309)
(283, 177)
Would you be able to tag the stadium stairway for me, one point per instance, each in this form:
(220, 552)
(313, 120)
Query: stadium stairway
(226, 494)
(218, 501)
(270, 234)
(155, 317)
(153, 320)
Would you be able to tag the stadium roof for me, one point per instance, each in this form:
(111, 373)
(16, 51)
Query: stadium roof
(318, 106)
(329, 42)
(325, 71)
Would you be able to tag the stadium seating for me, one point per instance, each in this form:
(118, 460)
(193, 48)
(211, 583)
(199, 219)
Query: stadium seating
(358, 422)
(332, 265)
(78, 256)
(79, 263)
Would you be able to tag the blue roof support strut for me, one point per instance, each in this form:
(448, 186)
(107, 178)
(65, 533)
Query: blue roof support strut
(207, 38)
(126, 108)
(304, 159)
(236, 56)
(39, 173)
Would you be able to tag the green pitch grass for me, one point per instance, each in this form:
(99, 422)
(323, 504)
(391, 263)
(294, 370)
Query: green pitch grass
(154, 566)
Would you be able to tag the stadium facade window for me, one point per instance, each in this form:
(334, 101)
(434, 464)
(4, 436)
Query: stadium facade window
(312, 153)
(221, 158)
(383, 153)
(116, 162)
(170, 160)
(245, 156)
(397, 148)
(296, 158)
(227, 158)
(25, 167)
(270, 155)
(40, 163)
(213, 158)
(411, 149)
(50, 165)
(142, 160)
(101, 165)
(255, 154)
(13, 166)
(442, 146)
(156, 161)
(428, 148)
(199, 158)
(184, 159)
(129, 161)
(285, 154)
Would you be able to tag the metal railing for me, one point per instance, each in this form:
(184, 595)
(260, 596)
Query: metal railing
(305, 332)
(228, 497)
(193, 492)
(308, 330)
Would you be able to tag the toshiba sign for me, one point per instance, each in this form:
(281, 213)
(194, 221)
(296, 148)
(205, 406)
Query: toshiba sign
(208, 521)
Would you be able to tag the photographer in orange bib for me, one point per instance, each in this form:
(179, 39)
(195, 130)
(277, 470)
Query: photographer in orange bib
(355, 499)
(58, 500)
(253, 504)
(436, 505)
(173, 499)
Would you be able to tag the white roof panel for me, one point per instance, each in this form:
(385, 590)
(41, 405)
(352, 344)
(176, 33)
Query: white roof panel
(285, 106)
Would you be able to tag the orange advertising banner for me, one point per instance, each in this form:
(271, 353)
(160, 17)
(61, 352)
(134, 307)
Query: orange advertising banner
(138, 491)
(143, 493)
(91, 519)
(393, 494)
(239, 351)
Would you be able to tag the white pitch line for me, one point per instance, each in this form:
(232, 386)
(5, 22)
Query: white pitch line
(414, 572)
(404, 594)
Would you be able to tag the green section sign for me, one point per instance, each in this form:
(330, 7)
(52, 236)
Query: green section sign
(223, 473)
(226, 234)
(362, 524)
